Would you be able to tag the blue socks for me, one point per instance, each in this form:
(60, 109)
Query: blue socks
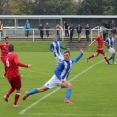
(110, 58)
(113, 59)
(32, 92)
(68, 93)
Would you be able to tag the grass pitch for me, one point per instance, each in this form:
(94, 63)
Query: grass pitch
(94, 89)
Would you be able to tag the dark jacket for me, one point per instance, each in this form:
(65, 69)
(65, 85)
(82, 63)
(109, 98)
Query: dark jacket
(40, 28)
(107, 26)
(71, 28)
(87, 32)
(79, 29)
(66, 25)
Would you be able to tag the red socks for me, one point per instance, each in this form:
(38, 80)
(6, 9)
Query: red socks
(107, 60)
(11, 90)
(17, 95)
(91, 56)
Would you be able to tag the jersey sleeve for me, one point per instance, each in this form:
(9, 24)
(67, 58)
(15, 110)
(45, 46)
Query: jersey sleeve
(97, 39)
(19, 63)
(57, 70)
(0, 45)
(51, 47)
(64, 48)
(77, 58)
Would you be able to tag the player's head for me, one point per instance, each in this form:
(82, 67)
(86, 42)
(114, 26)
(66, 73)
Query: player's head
(55, 37)
(100, 33)
(11, 48)
(66, 55)
(6, 40)
(111, 35)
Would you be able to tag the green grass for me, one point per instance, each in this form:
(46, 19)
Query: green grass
(94, 92)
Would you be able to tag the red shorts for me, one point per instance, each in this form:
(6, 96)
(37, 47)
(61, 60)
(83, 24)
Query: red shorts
(100, 51)
(16, 83)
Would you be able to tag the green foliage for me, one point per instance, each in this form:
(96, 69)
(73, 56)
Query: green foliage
(21, 7)
(98, 7)
(54, 7)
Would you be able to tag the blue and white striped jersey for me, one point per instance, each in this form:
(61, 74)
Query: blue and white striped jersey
(63, 68)
(55, 46)
(110, 41)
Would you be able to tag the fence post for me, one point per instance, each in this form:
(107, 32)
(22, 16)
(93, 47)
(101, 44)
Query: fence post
(33, 34)
(91, 34)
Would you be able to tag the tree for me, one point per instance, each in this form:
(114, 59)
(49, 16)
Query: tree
(3, 7)
(91, 7)
(21, 7)
(55, 7)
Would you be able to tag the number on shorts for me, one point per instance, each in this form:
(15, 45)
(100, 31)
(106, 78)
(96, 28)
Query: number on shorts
(7, 62)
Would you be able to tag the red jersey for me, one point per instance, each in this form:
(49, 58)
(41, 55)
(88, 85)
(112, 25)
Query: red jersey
(100, 41)
(4, 50)
(12, 66)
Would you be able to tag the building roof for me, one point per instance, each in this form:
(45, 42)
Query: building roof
(54, 16)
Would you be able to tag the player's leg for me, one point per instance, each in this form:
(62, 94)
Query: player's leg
(49, 84)
(67, 85)
(4, 68)
(106, 59)
(17, 85)
(10, 91)
(113, 58)
(92, 56)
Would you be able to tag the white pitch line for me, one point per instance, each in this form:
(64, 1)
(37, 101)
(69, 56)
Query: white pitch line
(33, 104)
(60, 114)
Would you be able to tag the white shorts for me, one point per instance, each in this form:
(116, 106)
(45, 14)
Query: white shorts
(111, 50)
(54, 81)
(59, 58)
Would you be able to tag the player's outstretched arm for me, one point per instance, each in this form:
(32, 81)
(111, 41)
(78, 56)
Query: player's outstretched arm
(91, 43)
(62, 47)
(79, 56)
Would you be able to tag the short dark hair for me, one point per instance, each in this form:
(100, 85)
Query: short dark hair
(11, 48)
(66, 51)
(6, 38)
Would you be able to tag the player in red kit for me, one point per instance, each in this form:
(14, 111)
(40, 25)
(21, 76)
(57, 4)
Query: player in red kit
(12, 73)
(100, 49)
(4, 50)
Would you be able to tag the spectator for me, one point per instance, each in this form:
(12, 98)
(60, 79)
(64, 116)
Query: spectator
(112, 24)
(58, 28)
(114, 31)
(87, 32)
(0, 31)
(1, 27)
(71, 28)
(47, 27)
(79, 30)
(66, 29)
(104, 33)
(27, 27)
(107, 25)
(41, 30)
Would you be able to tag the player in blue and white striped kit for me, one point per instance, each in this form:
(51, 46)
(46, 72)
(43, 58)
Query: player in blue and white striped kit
(55, 48)
(60, 77)
(110, 42)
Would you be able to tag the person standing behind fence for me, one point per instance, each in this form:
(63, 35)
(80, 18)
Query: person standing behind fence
(79, 30)
(107, 25)
(114, 31)
(41, 30)
(87, 32)
(66, 29)
(71, 28)
(58, 28)
(112, 24)
(1, 27)
(27, 27)
(47, 27)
